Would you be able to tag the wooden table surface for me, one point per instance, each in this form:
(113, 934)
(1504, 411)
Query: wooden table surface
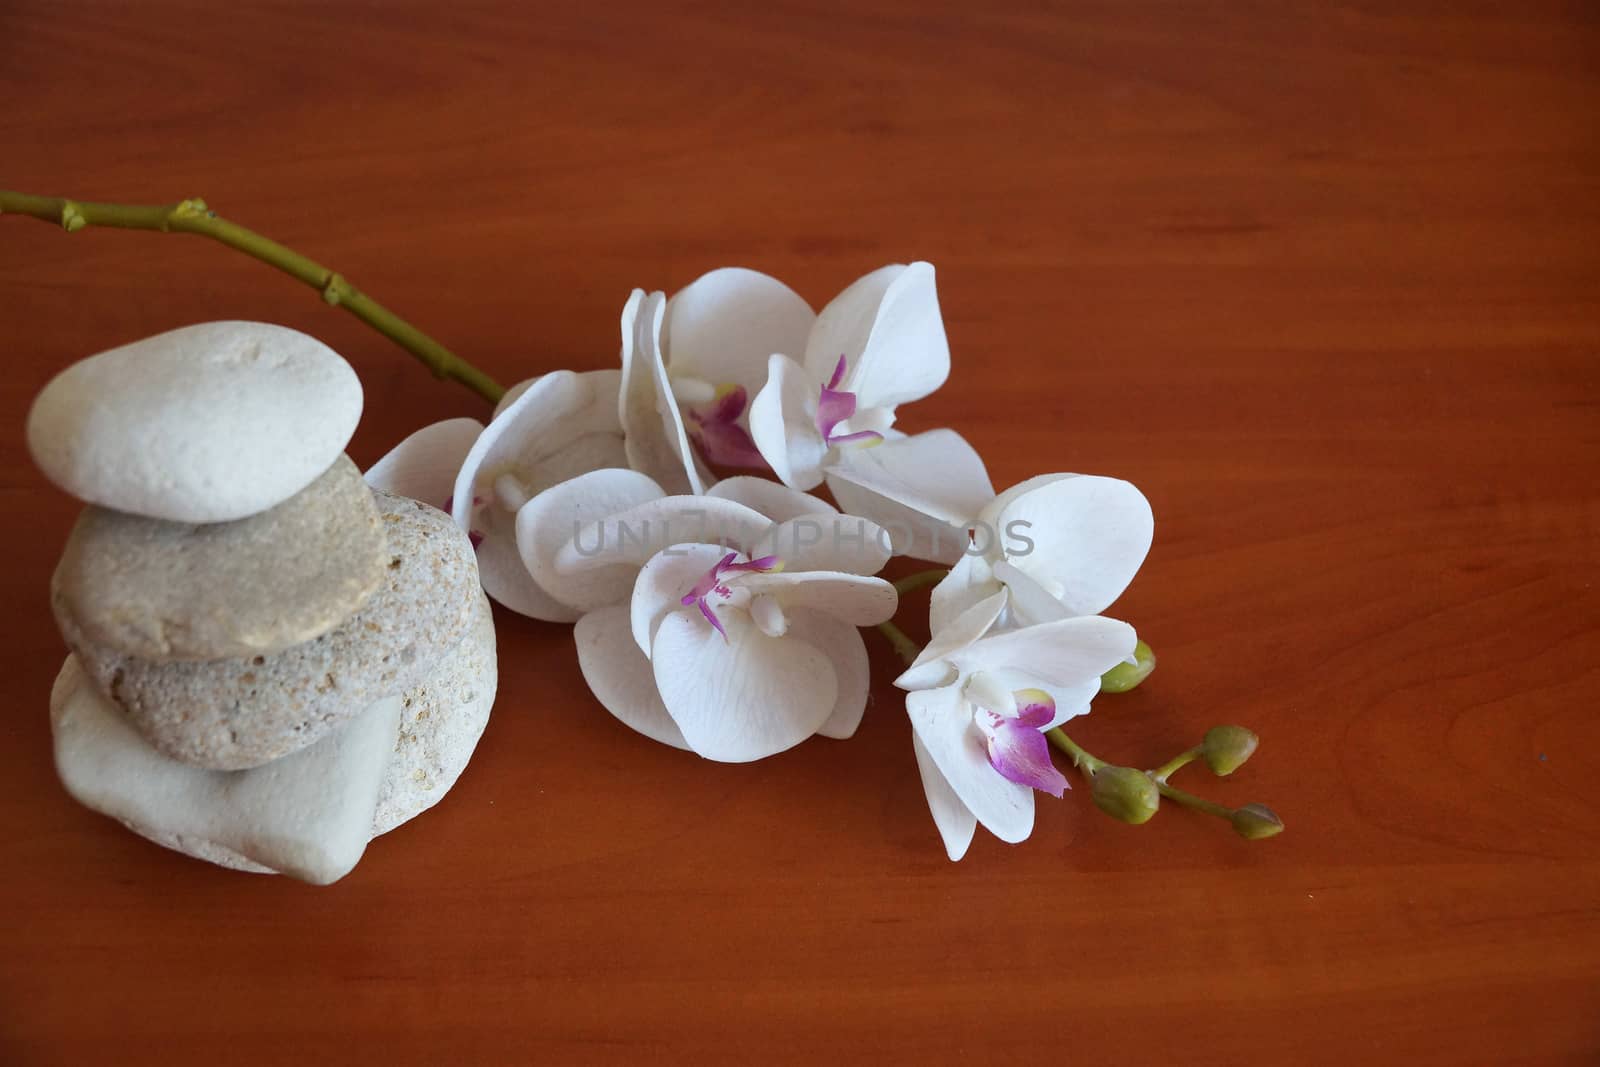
(1320, 278)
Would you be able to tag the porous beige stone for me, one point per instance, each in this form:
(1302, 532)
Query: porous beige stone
(240, 712)
(443, 718)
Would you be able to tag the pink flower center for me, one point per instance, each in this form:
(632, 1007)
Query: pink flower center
(714, 584)
(1017, 749)
(835, 406)
(716, 432)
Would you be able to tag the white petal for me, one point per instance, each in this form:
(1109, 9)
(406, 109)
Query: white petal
(842, 644)
(552, 413)
(632, 535)
(619, 675)
(603, 386)
(936, 473)
(1065, 653)
(907, 355)
(661, 584)
(943, 722)
(424, 466)
(773, 499)
(931, 668)
(504, 575)
(968, 582)
(1088, 538)
(783, 424)
(546, 523)
(605, 398)
(512, 394)
(954, 819)
(845, 325)
(910, 532)
(652, 426)
(1031, 603)
(990, 516)
(851, 598)
(831, 542)
(590, 452)
(744, 698)
(722, 326)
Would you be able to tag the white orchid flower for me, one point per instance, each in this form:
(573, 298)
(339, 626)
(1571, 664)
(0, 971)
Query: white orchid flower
(927, 490)
(544, 432)
(690, 365)
(1059, 545)
(980, 702)
(725, 624)
(878, 344)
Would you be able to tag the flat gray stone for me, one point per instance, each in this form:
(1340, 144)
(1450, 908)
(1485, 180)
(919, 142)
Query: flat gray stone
(205, 424)
(308, 815)
(164, 591)
(442, 720)
(230, 714)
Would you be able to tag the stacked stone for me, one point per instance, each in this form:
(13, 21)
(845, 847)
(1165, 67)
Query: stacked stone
(271, 662)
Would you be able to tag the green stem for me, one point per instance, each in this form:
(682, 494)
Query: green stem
(912, 582)
(903, 645)
(1081, 758)
(1189, 800)
(1167, 769)
(192, 216)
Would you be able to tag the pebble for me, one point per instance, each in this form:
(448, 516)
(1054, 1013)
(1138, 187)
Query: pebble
(166, 591)
(239, 712)
(442, 720)
(308, 815)
(207, 423)
(107, 766)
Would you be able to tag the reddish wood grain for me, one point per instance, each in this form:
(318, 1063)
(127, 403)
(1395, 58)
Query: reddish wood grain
(1322, 279)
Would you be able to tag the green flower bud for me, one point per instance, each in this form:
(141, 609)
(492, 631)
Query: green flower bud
(1125, 676)
(1255, 821)
(1126, 794)
(1225, 748)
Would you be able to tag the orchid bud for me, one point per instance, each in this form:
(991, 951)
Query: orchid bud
(1126, 794)
(1255, 821)
(1225, 748)
(1125, 676)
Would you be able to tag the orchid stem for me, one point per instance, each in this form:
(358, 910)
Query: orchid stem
(903, 645)
(1183, 759)
(912, 582)
(192, 216)
(1189, 800)
(1081, 758)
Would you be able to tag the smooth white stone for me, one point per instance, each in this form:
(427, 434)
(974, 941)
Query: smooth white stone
(209, 423)
(308, 815)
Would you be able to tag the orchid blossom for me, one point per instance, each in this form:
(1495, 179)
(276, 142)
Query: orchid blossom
(979, 703)
(1059, 545)
(690, 365)
(544, 432)
(725, 623)
(878, 344)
